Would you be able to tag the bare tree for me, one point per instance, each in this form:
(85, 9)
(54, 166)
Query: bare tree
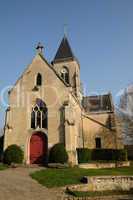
(125, 114)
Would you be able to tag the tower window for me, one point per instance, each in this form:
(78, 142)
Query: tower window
(65, 74)
(39, 115)
(98, 143)
(39, 79)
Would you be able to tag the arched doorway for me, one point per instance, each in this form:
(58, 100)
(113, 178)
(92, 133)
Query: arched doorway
(38, 148)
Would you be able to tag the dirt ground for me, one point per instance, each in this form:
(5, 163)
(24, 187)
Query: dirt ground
(16, 184)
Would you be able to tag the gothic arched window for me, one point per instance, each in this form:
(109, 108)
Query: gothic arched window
(65, 74)
(39, 115)
(39, 79)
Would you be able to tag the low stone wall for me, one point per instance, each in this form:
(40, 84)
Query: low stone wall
(102, 183)
(104, 165)
(114, 197)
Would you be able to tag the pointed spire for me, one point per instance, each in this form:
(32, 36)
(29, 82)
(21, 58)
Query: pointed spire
(64, 51)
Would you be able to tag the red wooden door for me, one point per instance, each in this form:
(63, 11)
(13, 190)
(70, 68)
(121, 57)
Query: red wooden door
(37, 148)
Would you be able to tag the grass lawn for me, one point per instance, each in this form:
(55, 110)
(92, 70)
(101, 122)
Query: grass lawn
(61, 177)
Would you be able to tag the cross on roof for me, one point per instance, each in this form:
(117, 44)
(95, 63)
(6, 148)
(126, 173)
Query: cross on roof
(39, 47)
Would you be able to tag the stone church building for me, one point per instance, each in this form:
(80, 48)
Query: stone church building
(47, 106)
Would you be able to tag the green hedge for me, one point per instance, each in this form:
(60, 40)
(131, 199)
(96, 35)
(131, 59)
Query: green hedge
(85, 155)
(121, 155)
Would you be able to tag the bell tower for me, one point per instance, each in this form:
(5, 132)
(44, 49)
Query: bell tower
(67, 66)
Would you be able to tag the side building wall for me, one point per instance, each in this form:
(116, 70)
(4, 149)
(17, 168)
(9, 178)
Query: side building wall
(95, 126)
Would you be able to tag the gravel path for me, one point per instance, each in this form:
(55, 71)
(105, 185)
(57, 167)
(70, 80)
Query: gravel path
(16, 184)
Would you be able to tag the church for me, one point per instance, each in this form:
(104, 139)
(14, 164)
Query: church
(47, 106)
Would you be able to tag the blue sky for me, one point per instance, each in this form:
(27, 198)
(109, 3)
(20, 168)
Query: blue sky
(100, 33)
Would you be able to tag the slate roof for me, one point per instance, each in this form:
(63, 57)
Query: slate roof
(97, 103)
(64, 51)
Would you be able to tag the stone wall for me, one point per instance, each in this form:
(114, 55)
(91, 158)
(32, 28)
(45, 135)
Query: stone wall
(54, 93)
(94, 125)
(102, 183)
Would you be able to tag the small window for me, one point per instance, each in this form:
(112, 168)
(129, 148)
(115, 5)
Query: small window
(39, 79)
(65, 74)
(98, 143)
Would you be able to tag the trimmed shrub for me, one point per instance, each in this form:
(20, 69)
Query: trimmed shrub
(1, 147)
(58, 154)
(1, 143)
(13, 154)
(87, 155)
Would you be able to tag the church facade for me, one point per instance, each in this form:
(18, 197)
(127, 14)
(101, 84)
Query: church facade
(47, 106)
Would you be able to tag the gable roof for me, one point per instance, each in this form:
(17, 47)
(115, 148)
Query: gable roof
(54, 71)
(51, 67)
(99, 103)
(64, 51)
